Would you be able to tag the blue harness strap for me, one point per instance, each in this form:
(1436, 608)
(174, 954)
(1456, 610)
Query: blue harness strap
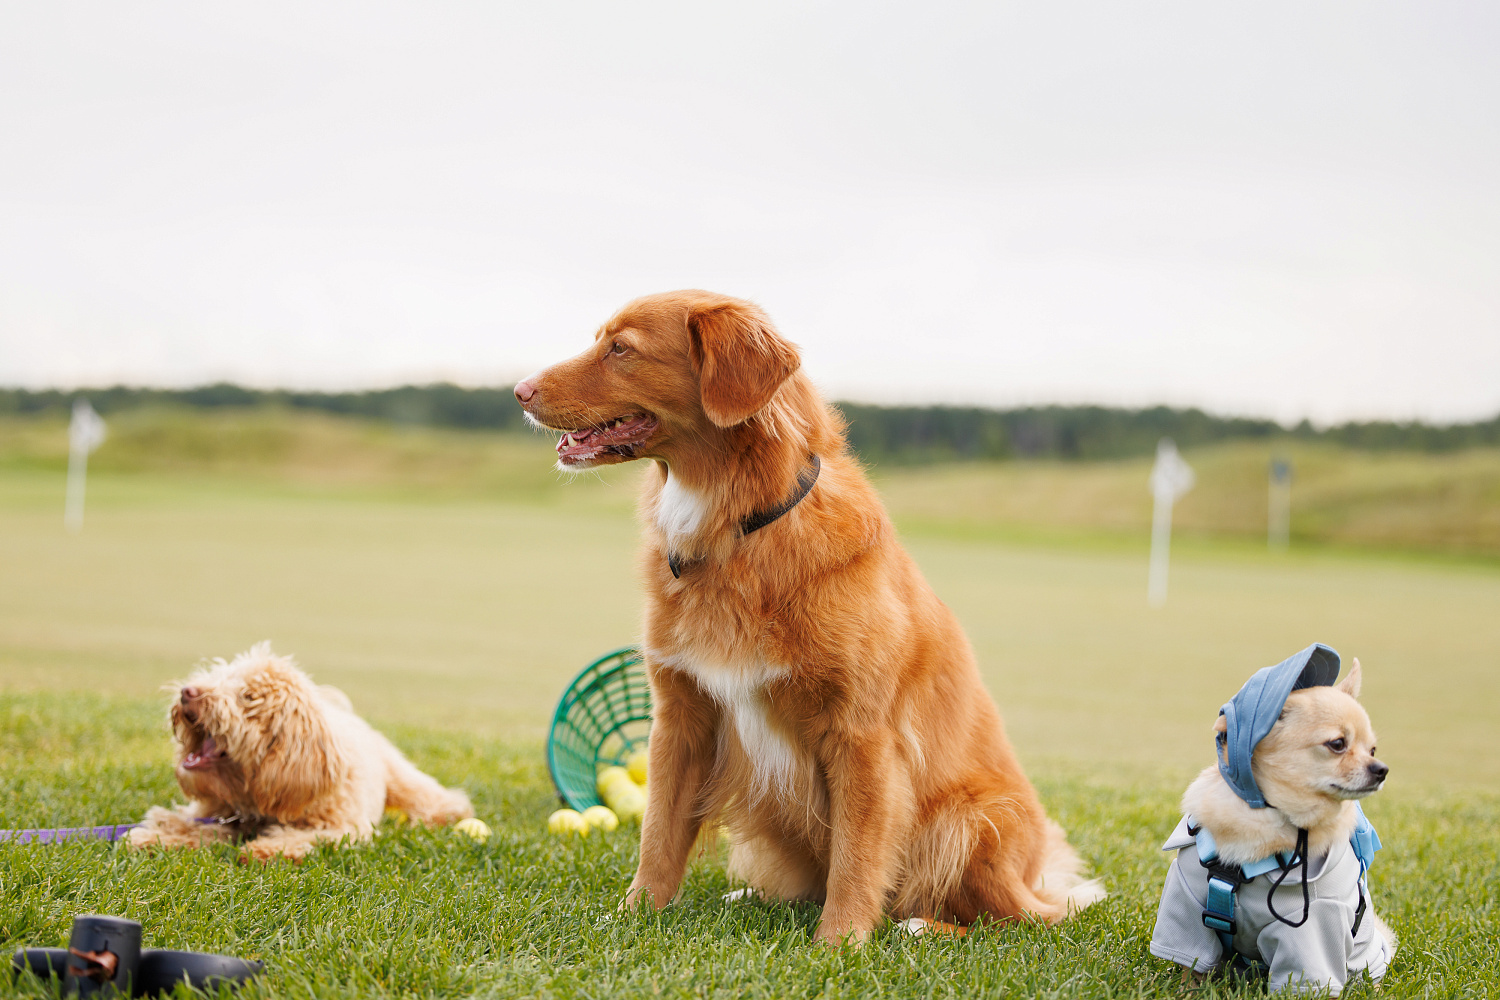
(1218, 913)
(1223, 881)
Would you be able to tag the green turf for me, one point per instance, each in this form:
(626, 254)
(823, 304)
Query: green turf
(421, 913)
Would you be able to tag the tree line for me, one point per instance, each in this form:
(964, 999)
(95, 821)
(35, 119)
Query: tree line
(890, 434)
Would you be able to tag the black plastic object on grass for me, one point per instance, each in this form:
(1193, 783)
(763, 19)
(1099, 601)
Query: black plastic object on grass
(104, 958)
(604, 717)
(162, 969)
(104, 955)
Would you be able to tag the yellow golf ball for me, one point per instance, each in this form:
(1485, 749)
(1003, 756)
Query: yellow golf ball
(608, 778)
(476, 828)
(601, 816)
(628, 803)
(637, 767)
(565, 822)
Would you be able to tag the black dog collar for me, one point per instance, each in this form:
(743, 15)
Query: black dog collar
(756, 520)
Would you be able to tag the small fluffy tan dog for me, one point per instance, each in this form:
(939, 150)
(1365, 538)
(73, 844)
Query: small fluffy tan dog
(282, 763)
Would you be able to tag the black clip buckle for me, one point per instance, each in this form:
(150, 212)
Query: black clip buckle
(1214, 922)
(1233, 874)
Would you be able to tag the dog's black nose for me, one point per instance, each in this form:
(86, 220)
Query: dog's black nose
(1378, 770)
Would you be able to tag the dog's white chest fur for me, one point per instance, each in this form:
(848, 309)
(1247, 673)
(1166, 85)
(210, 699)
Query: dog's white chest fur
(740, 690)
(679, 511)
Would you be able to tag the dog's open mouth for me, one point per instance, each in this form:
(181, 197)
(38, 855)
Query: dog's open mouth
(207, 755)
(621, 436)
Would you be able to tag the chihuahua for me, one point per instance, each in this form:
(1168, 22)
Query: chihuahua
(1273, 848)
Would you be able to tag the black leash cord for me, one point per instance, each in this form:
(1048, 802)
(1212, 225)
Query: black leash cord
(1299, 855)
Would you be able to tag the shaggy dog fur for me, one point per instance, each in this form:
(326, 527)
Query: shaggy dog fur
(282, 764)
(809, 689)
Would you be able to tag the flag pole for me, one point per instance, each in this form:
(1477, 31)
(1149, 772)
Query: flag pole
(1279, 508)
(1161, 551)
(1171, 477)
(85, 433)
(78, 461)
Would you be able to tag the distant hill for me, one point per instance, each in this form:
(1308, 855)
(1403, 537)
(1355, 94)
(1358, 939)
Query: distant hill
(897, 435)
(1445, 502)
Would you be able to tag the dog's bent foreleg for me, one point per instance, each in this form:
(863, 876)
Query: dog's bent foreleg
(177, 828)
(684, 724)
(862, 851)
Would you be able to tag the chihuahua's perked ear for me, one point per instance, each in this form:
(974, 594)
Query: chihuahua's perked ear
(741, 360)
(1350, 684)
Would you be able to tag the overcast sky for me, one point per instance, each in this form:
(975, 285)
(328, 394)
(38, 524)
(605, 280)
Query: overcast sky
(1289, 209)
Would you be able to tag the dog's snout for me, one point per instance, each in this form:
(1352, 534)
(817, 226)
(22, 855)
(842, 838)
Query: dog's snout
(524, 391)
(1378, 770)
(190, 695)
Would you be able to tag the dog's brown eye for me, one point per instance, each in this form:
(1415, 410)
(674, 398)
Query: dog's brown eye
(617, 348)
(1337, 746)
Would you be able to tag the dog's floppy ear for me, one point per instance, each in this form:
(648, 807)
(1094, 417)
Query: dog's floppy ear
(300, 759)
(1352, 680)
(741, 360)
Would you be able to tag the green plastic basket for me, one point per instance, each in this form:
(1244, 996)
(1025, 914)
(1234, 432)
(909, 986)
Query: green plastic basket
(603, 717)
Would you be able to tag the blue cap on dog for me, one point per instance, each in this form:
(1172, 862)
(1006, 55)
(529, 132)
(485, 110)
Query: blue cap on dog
(1250, 714)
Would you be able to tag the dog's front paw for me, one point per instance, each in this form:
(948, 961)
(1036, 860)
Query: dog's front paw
(166, 828)
(641, 895)
(142, 837)
(1192, 980)
(839, 934)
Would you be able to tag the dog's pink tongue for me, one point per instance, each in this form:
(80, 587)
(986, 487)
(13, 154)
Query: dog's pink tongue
(202, 755)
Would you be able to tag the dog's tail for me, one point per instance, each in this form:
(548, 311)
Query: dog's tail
(1061, 883)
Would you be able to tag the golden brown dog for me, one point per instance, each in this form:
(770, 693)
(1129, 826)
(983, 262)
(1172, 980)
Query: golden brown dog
(809, 689)
(283, 764)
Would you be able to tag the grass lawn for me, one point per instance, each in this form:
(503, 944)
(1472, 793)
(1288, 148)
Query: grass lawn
(454, 611)
(423, 913)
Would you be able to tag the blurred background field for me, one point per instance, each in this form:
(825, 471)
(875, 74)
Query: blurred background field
(450, 579)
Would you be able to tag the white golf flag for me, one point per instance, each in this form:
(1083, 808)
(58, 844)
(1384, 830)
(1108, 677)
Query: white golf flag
(1171, 477)
(85, 433)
